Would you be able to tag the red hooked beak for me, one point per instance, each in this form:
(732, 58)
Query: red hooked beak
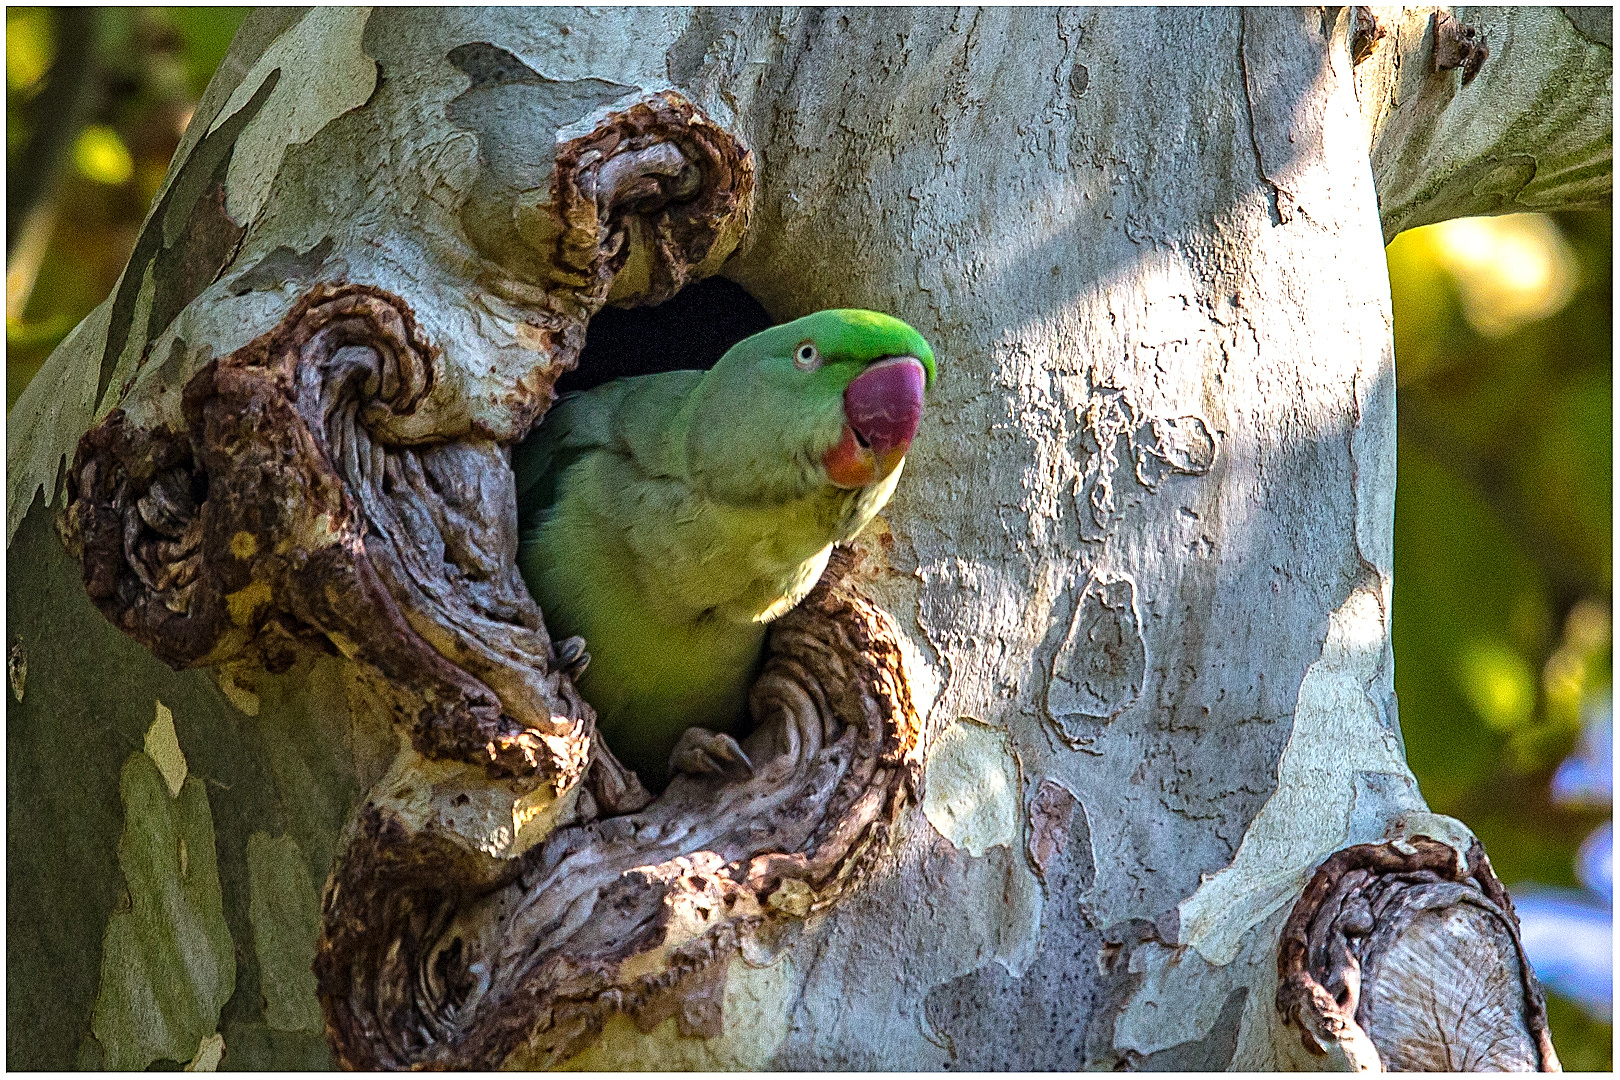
(882, 407)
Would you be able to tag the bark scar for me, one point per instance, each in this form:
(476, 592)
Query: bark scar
(1458, 45)
(1050, 811)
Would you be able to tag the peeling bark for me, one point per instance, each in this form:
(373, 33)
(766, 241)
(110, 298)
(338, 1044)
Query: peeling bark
(1127, 614)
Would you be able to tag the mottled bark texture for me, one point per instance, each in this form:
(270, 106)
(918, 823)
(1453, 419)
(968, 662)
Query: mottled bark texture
(1086, 756)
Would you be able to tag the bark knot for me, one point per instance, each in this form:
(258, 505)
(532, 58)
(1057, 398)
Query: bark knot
(1458, 45)
(282, 517)
(1366, 33)
(660, 168)
(654, 197)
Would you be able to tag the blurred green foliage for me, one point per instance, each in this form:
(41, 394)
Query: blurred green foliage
(1503, 533)
(1503, 336)
(1502, 525)
(144, 70)
(1583, 1044)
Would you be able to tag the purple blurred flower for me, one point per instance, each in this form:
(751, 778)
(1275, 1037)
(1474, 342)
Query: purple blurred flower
(1569, 937)
(1594, 863)
(1568, 934)
(1586, 777)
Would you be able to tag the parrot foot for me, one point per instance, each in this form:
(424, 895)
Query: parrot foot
(614, 788)
(569, 656)
(703, 752)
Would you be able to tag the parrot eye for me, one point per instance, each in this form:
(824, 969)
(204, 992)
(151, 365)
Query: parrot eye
(807, 357)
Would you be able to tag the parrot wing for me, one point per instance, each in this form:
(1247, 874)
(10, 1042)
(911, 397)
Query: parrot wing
(630, 418)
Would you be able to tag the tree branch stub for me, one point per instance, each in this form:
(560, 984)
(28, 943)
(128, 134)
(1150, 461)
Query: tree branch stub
(1452, 134)
(1396, 954)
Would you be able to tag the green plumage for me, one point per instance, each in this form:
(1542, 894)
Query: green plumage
(668, 518)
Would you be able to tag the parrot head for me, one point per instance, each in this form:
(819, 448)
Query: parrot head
(833, 399)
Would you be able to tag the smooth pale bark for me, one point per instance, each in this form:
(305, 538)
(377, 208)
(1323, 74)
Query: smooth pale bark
(1139, 562)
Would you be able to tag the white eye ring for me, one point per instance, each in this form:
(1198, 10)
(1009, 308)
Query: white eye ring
(807, 357)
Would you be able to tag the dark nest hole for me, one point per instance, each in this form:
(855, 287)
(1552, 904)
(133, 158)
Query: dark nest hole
(637, 908)
(690, 331)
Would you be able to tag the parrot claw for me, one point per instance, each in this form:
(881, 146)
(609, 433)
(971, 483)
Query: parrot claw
(702, 752)
(570, 656)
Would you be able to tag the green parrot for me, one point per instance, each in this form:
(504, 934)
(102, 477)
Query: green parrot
(668, 518)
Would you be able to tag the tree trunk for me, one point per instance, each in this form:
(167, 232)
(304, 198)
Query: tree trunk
(1086, 756)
